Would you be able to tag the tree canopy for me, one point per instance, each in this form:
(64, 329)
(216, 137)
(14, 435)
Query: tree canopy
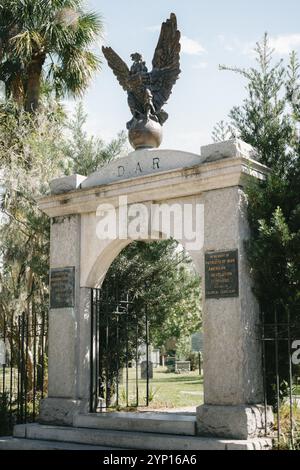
(269, 119)
(46, 44)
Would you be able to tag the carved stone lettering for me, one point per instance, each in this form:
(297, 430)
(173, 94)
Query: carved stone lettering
(155, 163)
(121, 170)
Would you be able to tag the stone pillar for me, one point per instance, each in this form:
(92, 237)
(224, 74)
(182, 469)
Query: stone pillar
(68, 357)
(233, 391)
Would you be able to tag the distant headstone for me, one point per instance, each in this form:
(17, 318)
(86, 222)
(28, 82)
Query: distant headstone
(155, 354)
(182, 366)
(197, 342)
(170, 363)
(144, 370)
(2, 353)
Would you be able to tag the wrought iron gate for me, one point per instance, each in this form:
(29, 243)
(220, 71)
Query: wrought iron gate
(280, 337)
(120, 366)
(23, 368)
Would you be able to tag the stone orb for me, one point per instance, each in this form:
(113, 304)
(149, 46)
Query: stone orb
(145, 134)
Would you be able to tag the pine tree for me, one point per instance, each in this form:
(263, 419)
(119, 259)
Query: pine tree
(269, 120)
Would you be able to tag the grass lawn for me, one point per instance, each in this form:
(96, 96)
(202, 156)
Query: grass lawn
(166, 389)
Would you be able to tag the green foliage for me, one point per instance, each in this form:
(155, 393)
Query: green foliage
(193, 357)
(86, 154)
(269, 119)
(222, 131)
(5, 418)
(161, 276)
(33, 150)
(262, 121)
(46, 43)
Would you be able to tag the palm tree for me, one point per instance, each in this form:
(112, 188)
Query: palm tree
(46, 41)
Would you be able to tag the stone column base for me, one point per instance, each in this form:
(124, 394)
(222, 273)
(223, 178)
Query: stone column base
(61, 411)
(235, 422)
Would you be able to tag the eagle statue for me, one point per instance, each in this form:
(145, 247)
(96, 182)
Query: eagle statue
(148, 91)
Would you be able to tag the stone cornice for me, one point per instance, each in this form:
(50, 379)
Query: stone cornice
(171, 184)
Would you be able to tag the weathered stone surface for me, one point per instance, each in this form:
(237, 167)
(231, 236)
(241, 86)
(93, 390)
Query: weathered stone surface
(12, 443)
(165, 182)
(237, 422)
(251, 444)
(182, 366)
(233, 148)
(232, 353)
(162, 423)
(60, 411)
(64, 241)
(66, 437)
(140, 163)
(19, 430)
(66, 183)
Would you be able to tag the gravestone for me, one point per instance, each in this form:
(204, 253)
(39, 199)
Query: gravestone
(182, 367)
(145, 372)
(155, 355)
(170, 363)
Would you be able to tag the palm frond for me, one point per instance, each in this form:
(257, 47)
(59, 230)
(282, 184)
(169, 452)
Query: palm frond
(22, 45)
(76, 71)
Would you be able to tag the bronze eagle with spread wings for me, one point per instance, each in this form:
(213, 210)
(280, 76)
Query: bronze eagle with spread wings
(147, 91)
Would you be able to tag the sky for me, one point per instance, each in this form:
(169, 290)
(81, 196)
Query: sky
(213, 32)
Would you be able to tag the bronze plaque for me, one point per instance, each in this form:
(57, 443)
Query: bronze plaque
(221, 274)
(62, 287)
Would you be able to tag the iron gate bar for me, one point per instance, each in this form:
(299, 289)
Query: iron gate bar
(277, 373)
(43, 352)
(99, 358)
(26, 364)
(136, 363)
(107, 310)
(34, 362)
(118, 368)
(22, 373)
(290, 380)
(127, 359)
(4, 366)
(106, 360)
(264, 370)
(147, 356)
(276, 334)
(11, 369)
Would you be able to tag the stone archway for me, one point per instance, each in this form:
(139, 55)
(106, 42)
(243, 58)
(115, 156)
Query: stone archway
(214, 180)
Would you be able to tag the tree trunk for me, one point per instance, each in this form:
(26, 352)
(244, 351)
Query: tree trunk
(17, 91)
(34, 72)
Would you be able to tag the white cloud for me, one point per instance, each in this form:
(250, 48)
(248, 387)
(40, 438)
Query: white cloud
(234, 44)
(188, 45)
(191, 46)
(285, 43)
(282, 44)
